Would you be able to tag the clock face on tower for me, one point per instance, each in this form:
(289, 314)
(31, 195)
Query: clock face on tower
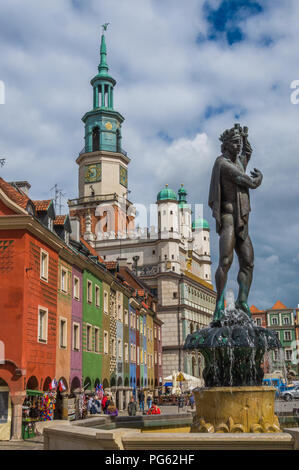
(123, 176)
(93, 173)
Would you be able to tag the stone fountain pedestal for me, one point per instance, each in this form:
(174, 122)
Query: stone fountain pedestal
(235, 410)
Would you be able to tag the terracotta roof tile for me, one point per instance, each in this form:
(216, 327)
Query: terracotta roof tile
(91, 250)
(60, 220)
(254, 309)
(110, 264)
(42, 206)
(278, 305)
(16, 196)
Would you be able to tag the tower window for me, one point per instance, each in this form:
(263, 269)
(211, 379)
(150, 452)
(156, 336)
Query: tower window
(95, 139)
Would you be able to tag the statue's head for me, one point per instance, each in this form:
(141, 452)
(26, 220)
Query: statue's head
(232, 141)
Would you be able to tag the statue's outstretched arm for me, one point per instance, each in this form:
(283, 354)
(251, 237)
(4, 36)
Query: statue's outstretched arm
(242, 179)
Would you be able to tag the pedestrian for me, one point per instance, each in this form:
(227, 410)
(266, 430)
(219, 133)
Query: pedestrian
(111, 409)
(132, 407)
(89, 404)
(181, 402)
(104, 401)
(149, 402)
(141, 397)
(192, 401)
(154, 410)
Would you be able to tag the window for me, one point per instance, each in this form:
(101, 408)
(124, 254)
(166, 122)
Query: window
(160, 359)
(88, 337)
(97, 340)
(138, 355)
(131, 353)
(44, 265)
(42, 325)
(62, 333)
(174, 295)
(134, 357)
(113, 309)
(155, 332)
(258, 321)
(106, 303)
(275, 355)
(106, 344)
(287, 335)
(76, 288)
(119, 347)
(156, 358)
(159, 334)
(145, 358)
(76, 337)
(288, 355)
(113, 348)
(97, 295)
(274, 321)
(126, 317)
(126, 352)
(286, 320)
(64, 280)
(154, 252)
(141, 356)
(119, 313)
(89, 292)
(50, 223)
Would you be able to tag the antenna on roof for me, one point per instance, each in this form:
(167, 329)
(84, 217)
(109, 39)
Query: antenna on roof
(58, 198)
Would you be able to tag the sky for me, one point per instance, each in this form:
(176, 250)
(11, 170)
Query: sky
(185, 72)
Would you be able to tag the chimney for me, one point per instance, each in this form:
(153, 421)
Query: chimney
(23, 186)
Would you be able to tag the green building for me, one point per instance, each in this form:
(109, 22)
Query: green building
(92, 331)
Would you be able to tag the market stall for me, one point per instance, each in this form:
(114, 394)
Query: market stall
(37, 406)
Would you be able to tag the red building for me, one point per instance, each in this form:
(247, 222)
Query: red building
(28, 298)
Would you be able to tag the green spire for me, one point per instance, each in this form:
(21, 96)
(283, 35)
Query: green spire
(103, 67)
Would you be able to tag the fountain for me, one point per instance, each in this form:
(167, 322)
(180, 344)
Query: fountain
(233, 347)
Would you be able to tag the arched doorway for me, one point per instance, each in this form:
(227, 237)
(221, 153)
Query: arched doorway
(105, 384)
(32, 383)
(126, 382)
(138, 382)
(113, 382)
(47, 383)
(75, 384)
(5, 411)
(97, 382)
(87, 383)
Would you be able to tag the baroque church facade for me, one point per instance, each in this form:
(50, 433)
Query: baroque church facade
(172, 259)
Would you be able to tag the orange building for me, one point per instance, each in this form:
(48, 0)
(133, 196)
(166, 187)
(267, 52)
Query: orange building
(28, 299)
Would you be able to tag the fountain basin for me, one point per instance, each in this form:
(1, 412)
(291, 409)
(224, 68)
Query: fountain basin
(235, 410)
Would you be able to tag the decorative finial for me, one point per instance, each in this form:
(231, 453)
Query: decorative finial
(105, 26)
(166, 185)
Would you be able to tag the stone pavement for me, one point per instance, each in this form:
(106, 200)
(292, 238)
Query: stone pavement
(37, 443)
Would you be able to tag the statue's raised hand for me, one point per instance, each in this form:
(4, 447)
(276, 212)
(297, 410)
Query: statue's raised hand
(257, 175)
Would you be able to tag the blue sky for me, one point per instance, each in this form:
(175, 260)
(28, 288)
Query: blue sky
(185, 71)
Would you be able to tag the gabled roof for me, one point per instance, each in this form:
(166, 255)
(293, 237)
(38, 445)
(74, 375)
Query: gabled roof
(17, 196)
(42, 206)
(278, 306)
(254, 309)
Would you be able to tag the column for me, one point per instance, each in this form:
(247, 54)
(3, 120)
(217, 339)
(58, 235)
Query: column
(17, 399)
(120, 400)
(127, 399)
(103, 95)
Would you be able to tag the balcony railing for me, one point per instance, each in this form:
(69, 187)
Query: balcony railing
(90, 150)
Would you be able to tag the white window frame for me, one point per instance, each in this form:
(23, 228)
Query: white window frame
(63, 344)
(287, 333)
(88, 328)
(119, 313)
(160, 359)
(97, 339)
(44, 276)
(113, 347)
(126, 317)
(119, 348)
(89, 291)
(97, 295)
(106, 342)
(274, 322)
(76, 339)
(285, 354)
(76, 287)
(126, 352)
(138, 355)
(287, 322)
(106, 302)
(63, 270)
(44, 339)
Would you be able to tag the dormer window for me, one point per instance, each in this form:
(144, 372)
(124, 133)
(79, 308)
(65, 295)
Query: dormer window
(66, 237)
(50, 223)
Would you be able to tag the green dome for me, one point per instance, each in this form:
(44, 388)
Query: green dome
(200, 223)
(166, 194)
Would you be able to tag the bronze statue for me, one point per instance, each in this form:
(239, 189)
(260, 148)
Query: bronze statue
(230, 203)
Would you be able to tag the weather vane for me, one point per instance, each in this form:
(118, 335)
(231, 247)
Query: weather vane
(105, 26)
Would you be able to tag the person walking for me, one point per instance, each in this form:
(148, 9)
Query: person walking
(141, 397)
(149, 402)
(132, 407)
(192, 401)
